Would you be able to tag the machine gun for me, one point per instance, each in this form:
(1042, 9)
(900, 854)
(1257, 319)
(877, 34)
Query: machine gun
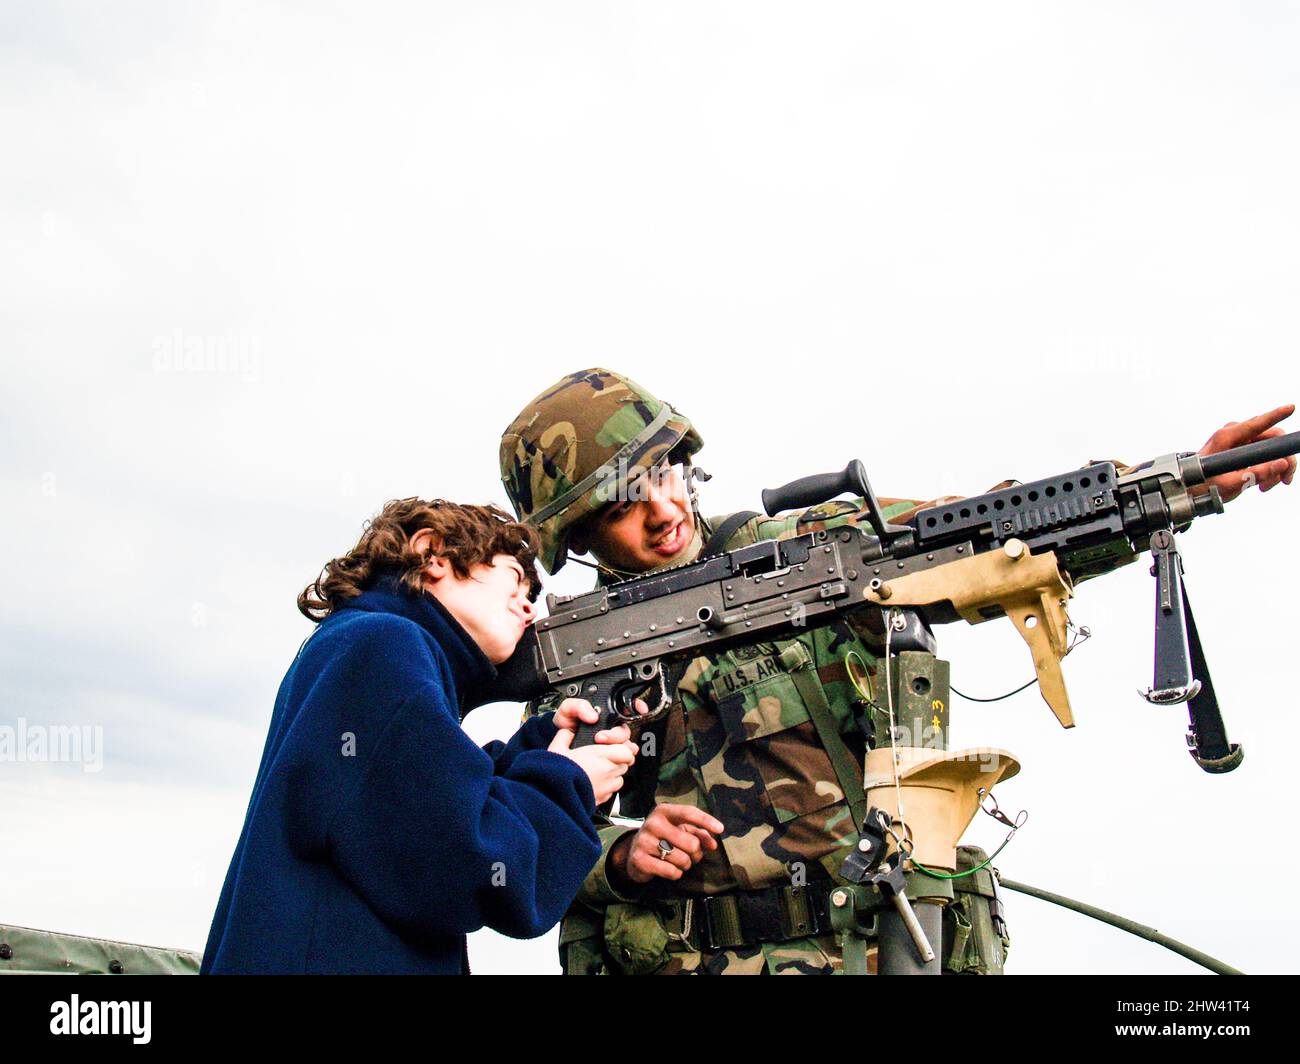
(1015, 552)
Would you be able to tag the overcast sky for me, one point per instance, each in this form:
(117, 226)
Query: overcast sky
(960, 242)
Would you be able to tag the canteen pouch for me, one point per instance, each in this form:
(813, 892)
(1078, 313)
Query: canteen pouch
(636, 939)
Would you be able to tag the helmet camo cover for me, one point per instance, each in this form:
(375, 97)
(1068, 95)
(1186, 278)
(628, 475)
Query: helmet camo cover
(578, 445)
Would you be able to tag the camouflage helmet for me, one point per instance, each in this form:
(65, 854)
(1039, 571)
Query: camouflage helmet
(578, 444)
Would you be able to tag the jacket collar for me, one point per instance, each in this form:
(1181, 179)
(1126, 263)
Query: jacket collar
(471, 670)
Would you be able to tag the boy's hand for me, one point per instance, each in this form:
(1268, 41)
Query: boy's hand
(605, 764)
(575, 711)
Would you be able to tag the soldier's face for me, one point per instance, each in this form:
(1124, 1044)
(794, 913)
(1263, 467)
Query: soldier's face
(654, 527)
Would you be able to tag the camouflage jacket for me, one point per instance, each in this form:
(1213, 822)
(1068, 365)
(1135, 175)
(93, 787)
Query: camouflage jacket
(738, 742)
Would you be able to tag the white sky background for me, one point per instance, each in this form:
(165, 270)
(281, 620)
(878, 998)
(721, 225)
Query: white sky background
(961, 242)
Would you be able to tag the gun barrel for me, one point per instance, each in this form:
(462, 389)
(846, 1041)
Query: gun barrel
(1251, 454)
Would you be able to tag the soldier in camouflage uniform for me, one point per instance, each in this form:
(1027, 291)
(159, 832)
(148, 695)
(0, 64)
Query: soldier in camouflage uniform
(746, 819)
(738, 744)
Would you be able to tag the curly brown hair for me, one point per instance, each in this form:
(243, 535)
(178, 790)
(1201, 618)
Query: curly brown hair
(466, 535)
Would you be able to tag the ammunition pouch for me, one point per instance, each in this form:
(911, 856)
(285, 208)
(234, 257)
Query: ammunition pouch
(636, 939)
(974, 925)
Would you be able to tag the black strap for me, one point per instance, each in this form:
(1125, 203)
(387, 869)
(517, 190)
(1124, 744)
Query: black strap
(739, 918)
(637, 796)
(843, 763)
(722, 534)
(1209, 738)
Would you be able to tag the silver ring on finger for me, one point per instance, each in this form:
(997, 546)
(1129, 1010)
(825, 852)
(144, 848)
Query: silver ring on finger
(665, 848)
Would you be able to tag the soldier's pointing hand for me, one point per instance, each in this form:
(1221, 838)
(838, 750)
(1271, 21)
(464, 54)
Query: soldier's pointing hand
(1237, 434)
(672, 839)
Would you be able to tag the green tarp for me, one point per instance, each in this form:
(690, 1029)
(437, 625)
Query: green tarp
(24, 950)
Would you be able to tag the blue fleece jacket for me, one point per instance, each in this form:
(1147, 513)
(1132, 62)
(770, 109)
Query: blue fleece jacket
(378, 834)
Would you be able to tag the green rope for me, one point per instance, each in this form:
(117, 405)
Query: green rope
(960, 875)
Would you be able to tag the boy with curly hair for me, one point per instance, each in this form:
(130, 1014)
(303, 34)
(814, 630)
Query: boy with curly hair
(378, 834)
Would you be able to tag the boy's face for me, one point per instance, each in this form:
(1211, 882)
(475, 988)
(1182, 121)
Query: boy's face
(655, 527)
(491, 604)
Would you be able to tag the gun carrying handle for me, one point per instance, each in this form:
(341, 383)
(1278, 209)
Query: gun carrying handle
(810, 490)
(821, 487)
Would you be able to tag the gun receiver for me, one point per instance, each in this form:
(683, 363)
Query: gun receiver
(1015, 552)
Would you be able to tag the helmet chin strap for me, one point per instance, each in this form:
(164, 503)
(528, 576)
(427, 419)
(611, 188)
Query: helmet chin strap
(601, 567)
(694, 472)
